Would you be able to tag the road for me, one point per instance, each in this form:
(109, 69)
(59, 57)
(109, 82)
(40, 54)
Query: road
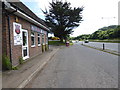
(110, 46)
(78, 66)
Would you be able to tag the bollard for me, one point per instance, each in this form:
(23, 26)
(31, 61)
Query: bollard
(103, 46)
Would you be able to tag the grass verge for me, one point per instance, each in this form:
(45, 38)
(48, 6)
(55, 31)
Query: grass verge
(107, 41)
(56, 43)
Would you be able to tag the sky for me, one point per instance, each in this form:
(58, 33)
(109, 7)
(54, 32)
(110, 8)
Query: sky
(96, 13)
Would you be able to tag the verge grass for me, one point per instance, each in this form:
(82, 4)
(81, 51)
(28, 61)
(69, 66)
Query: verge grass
(107, 40)
(56, 43)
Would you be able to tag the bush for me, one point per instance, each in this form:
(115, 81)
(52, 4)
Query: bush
(21, 61)
(71, 41)
(43, 48)
(14, 68)
(6, 64)
(55, 38)
(46, 47)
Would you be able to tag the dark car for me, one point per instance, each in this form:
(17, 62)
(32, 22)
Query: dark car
(86, 41)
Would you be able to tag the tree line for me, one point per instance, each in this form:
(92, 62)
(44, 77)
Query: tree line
(110, 32)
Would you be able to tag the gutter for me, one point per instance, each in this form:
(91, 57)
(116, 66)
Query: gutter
(26, 17)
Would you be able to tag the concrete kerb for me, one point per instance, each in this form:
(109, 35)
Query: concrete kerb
(25, 82)
(106, 50)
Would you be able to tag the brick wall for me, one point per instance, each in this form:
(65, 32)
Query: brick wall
(0, 37)
(37, 49)
(4, 44)
(17, 50)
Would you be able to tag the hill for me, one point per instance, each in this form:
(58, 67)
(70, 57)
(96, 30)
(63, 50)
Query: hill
(110, 32)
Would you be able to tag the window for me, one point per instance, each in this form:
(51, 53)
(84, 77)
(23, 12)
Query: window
(42, 38)
(24, 35)
(38, 39)
(32, 39)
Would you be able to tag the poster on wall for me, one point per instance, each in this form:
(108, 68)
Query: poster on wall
(17, 33)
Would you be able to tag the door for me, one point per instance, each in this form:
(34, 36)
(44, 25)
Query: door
(25, 49)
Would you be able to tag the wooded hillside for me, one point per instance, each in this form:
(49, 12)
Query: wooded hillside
(110, 32)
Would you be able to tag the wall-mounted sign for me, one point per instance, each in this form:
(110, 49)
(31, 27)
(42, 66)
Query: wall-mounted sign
(44, 32)
(17, 33)
(36, 29)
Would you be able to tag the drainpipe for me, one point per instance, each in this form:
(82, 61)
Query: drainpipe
(8, 22)
(8, 19)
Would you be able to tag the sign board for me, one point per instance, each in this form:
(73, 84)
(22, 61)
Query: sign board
(17, 32)
(36, 29)
(44, 32)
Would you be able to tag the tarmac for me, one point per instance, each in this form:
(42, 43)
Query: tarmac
(28, 70)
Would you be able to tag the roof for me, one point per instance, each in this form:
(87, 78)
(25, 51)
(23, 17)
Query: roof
(20, 6)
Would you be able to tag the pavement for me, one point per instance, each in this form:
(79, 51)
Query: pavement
(28, 70)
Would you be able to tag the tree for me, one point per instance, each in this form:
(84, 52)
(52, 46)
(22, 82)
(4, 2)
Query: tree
(95, 35)
(117, 32)
(110, 33)
(62, 19)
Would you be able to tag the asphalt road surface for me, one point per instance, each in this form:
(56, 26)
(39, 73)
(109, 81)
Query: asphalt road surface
(110, 46)
(78, 66)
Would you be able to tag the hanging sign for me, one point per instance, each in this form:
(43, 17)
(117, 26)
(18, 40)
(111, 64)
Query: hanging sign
(17, 31)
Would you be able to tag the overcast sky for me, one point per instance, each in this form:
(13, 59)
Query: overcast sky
(96, 13)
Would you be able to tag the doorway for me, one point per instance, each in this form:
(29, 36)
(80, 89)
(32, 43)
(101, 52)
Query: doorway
(25, 49)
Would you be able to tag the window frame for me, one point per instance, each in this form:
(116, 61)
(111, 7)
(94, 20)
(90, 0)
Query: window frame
(39, 36)
(32, 35)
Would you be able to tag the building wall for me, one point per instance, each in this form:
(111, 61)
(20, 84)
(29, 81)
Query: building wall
(37, 49)
(4, 32)
(5, 36)
(17, 50)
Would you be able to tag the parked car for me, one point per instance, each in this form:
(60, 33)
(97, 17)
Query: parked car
(76, 41)
(86, 41)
